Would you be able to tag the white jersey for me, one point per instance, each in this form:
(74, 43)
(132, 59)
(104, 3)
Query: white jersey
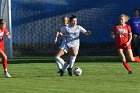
(63, 29)
(73, 36)
(63, 46)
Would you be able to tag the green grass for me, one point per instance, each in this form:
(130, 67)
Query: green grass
(30, 76)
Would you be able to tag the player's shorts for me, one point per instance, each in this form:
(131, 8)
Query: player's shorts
(64, 47)
(124, 47)
(2, 46)
(75, 43)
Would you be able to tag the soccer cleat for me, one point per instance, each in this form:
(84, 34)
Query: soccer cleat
(7, 74)
(61, 72)
(130, 72)
(70, 71)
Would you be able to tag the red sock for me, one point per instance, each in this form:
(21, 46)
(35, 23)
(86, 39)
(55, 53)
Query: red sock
(5, 64)
(136, 59)
(126, 65)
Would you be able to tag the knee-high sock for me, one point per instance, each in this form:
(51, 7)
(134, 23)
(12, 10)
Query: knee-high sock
(60, 62)
(126, 65)
(136, 59)
(4, 62)
(58, 65)
(72, 60)
(65, 67)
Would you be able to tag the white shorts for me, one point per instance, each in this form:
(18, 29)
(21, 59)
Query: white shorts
(63, 47)
(75, 43)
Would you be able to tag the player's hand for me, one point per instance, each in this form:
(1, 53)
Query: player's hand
(113, 36)
(127, 43)
(88, 33)
(8, 36)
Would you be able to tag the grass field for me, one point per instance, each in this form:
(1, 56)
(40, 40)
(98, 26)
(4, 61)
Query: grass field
(39, 76)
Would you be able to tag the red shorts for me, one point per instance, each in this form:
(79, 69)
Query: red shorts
(2, 45)
(124, 47)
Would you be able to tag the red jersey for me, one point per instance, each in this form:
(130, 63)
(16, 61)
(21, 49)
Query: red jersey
(3, 32)
(122, 35)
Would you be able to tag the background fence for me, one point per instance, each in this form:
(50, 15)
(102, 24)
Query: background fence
(34, 23)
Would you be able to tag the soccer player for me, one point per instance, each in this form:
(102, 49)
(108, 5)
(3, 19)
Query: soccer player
(135, 24)
(4, 31)
(62, 65)
(123, 34)
(73, 41)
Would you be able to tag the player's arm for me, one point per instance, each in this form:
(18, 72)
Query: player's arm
(112, 34)
(130, 38)
(87, 33)
(60, 33)
(129, 35)
(56, 37)
(83, 30)
(8, 35)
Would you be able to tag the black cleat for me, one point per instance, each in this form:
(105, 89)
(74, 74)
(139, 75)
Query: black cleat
(130, 72)
(61, 72)
(70, 71)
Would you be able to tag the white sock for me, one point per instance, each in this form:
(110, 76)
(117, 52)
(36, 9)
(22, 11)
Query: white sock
(72, 60)
(58, 65)
(65, 67)
(60, 62)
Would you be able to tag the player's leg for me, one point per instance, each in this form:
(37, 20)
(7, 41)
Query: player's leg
(63, 49)
(5, 65)
(131, 57)
(59, 61)
(73, 54)
(135, 44)
(66, 65)
(125, 63)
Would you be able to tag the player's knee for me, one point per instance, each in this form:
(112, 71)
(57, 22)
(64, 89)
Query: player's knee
(74, 54)
(5, 57)
(56, 57)
(124, 60)
(131, 59)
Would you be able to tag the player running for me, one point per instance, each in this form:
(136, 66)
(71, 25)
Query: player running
(135, 24)
(123, 34)
(62, 65)
(4, 31)
(73, 41)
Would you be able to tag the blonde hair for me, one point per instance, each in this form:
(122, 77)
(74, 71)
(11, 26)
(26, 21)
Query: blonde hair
(66, 17)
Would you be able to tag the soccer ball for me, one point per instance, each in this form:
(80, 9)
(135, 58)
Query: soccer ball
(77, 71)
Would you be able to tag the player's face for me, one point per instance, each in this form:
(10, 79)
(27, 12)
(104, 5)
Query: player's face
(3, 25)
(66, 21)
(74, 22)
(122, 19)
(136, 13)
